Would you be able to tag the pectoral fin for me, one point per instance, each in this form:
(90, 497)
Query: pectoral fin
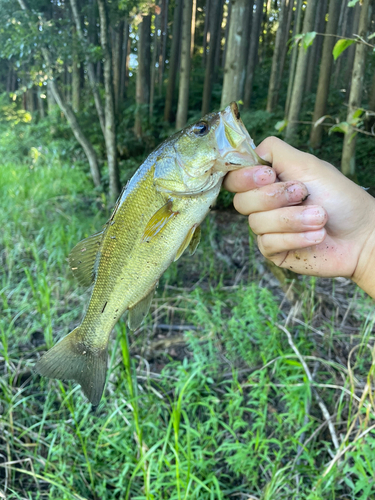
(191, 240)
(84, 257)
(138, 312)
(158, 221)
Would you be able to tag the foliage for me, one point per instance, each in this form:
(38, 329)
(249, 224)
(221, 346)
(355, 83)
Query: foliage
(225, 417)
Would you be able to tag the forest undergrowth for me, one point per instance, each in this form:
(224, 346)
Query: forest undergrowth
(235, 387)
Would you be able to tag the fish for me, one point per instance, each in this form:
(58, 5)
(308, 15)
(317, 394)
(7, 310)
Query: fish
(155, 220)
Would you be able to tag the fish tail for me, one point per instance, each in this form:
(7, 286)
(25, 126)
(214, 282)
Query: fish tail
(72, 359)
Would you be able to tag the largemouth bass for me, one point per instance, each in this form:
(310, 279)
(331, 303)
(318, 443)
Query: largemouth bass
(155, 220)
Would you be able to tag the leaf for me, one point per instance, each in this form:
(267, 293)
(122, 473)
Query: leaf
(340, 46)
(320, 120)
(308, 39)
(357, 113)
(342, 127)
(281, 125)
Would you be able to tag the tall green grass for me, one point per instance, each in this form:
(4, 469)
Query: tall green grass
(219, 408)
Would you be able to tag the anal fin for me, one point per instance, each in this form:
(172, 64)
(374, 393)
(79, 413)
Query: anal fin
(83, 259)
(139, 311)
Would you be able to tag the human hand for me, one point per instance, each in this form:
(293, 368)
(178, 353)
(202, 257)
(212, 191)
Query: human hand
(314, 221)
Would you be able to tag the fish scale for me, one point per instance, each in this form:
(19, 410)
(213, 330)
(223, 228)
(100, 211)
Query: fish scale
(155, 219)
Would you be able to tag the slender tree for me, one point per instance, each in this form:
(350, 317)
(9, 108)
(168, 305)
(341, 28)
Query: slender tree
(245, 42)
(351, 49)
(233, 72)
(173, 60)
(342, 31)
(293, 58)
(321, 10)
(124, 61)
(287, 36)
(254, 44)
(274, 85)
(325, 73)
(300, 77)
(90, 66)
(209, 70)
(109, 109)
(76, 77)
(348, 152)
(143, 73)
(183, 94)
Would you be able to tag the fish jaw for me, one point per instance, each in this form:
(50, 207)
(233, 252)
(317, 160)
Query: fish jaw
(235, 146)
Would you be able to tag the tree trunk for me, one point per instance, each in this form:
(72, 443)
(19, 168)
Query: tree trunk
(254, 44)
(109, 109)
(219, 37)
(75, 74)
(348, 152)
(90, 67)
(325, 73)
(155, 50)
(209, 70)
(183, 94)
(193, 16)
(226, 34)
(245, 43)
(287, 36)
(321, 11)
(117, 53)
(293, 59)
(300, 78)
(372, 95)
(143, 74)
(124, 57)
(274, 85)
(163, 44)
(343, 22)
(351, 49)
(233, 72)
(40, 102)
(205, 32)
(173, 60)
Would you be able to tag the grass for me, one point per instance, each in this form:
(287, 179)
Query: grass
(227, 391)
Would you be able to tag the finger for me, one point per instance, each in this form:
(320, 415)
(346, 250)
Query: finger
(288, 162)
(271, 245)
(288, 220)
(270, 197)
(249, 178)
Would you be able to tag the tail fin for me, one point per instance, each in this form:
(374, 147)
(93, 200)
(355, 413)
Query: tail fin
(71, 359)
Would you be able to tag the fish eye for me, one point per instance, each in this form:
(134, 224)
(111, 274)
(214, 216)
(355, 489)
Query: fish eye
(201, 128)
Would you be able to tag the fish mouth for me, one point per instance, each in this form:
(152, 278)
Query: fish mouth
(236, 147)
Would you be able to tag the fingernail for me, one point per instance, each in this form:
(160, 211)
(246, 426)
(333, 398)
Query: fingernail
(313, 216)
(315, 236)
(295, 193)
(265, 175)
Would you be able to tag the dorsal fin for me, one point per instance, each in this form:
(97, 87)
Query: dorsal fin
(84, 257)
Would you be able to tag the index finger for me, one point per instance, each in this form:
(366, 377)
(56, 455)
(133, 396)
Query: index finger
(288, 162)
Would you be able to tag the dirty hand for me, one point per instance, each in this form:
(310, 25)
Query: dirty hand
(314, 221)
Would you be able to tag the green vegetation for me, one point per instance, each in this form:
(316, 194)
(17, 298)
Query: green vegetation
(217, 403)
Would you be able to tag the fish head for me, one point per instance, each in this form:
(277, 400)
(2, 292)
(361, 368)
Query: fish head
(204, 152)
